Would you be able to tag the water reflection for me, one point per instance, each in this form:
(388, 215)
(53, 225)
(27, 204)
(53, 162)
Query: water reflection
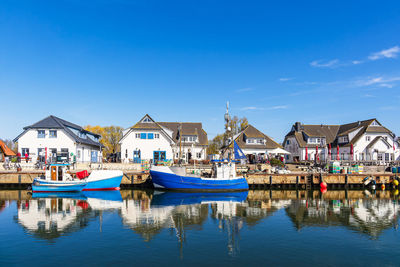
(148, 213)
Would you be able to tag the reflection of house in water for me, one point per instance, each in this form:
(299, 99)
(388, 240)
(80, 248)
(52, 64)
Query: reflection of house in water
(231, 216)
(148, 220)
(369, 216)
(49, 218)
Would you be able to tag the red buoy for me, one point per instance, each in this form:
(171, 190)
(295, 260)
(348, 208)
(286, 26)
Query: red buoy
(323, 185)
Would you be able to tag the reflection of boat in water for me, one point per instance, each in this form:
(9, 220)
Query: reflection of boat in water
(52, 214)
(182, 198)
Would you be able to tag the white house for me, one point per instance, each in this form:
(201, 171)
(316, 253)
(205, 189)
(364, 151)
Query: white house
(256, 145)
(163, 141)
(359, 141)
(54, 137)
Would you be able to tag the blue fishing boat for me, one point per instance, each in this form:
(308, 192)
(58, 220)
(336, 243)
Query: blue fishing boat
(42, 185)
(225, 179)
(223, 176)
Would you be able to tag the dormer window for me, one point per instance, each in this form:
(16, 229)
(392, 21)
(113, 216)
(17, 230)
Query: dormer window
(374, 123)
(146, 120)
(343, 139)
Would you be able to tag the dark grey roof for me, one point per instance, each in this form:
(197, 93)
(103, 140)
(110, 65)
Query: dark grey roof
(53, 122)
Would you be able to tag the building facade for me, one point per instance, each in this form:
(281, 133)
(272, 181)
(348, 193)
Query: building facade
(163, 141)
(357, 141)
(54, 137)
(256, 145)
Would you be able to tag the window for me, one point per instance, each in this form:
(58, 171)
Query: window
(53, 133)
(156, 135)
(387, 156)
(41, 134)
(260, 141)
(250, 141)
(380, 156)
(143, 136)
(147, 120)
(374, 123)
(367, 138)
(198, 155)
(288, 142)
(24, 151)
(150, 136)
(137, 135)
(78, 154)
(82, 135)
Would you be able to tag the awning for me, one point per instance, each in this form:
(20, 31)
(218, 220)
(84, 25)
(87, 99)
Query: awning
(278, 151)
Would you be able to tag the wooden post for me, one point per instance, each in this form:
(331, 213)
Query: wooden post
(346, 181)
(297, 182)
(270, 181)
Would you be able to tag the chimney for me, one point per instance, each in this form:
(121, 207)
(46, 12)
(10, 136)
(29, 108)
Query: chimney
(297, 126)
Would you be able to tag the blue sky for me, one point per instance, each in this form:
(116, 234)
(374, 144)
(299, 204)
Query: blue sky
(110, 62)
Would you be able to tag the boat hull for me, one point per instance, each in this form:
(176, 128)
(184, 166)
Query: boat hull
(44, 186)
(104, 180)
(163, 180)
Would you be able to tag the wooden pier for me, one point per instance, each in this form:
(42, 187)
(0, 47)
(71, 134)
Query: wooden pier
(303, 181)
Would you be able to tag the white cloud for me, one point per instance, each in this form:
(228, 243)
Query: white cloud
(260, 108)
(369, 96)
(356, 62)
(381, 81)
(322, 64)
(251, 108)
(244, 90)
(278, 107)
(387, 85)
(387, 53)
(285, 79)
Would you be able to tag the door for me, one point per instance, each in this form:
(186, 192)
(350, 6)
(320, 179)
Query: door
(53, 173)
(159, 156)
(94, 156)
(136, 156)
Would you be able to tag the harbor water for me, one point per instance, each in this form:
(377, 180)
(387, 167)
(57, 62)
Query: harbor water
(149, 228)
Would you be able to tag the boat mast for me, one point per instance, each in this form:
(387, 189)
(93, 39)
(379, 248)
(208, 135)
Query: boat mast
(180, 144)
(228, 130)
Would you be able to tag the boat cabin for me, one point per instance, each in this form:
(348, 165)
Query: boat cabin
(58, 172)
(223, 170)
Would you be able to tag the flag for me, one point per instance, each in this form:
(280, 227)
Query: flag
(337, 153)
(316, 153)
(330, 151)
(238, 152)
(306, 153)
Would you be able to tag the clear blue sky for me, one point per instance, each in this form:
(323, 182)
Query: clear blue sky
(110, 62)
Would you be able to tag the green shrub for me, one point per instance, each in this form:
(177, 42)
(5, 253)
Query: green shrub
(276, 162)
